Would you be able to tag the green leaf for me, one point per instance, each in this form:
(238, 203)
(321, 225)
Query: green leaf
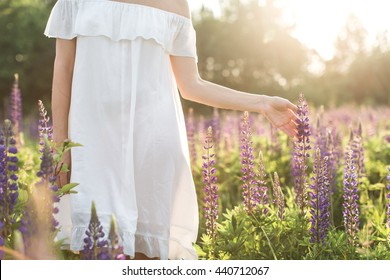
(70, 145)
(199, 251)
(234, 222)
(68, 187)
(23, 196)
(376, 187)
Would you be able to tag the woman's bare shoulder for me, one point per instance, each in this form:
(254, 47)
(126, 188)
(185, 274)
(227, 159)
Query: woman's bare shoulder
(181, 7)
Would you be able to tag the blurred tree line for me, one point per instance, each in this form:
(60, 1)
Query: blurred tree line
(25, 50)
(248, 48)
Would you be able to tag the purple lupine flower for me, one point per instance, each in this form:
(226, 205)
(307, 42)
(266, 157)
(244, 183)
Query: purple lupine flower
(250, 188)
(44, 125)
(8, 179)
(210, 187)
(47, 167)
(261, 183)
(351, 197)
(301, 153)
(278, 197)
(49, 179)
(95, 247)
(16, 107)
(388, 198)
(190, 125)
(115, 250)
(320, 200)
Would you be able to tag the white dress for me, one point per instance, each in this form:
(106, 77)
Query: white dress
(126, 112)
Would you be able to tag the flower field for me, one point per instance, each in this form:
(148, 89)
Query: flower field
(322, 195)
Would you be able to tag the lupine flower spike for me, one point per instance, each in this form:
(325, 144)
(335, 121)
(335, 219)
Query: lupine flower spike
(250, 188)
(350, 198)
(44, 126)
(8, 182)
(41, 209)
(116, 250)
(210, 186)
(301, 153)
(320, 199)
(95, 247)
(278, 196)
(47, 169)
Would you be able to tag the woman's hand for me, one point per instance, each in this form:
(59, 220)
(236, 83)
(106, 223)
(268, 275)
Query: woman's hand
(281, 113)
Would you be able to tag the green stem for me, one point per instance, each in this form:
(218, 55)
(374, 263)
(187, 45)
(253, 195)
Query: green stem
(269, 244)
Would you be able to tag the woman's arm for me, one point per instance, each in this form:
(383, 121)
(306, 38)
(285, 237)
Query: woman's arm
(62, 85)
(279, 111)
(61, 95)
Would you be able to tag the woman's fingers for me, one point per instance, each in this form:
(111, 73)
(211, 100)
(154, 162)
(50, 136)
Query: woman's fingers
(293, 115)
(289, 128)
(291, 132)
(285, 117)
(292, 107)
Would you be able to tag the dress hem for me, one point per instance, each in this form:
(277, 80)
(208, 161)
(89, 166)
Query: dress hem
(149, 245)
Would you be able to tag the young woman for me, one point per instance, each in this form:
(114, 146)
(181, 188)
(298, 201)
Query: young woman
(117, 69)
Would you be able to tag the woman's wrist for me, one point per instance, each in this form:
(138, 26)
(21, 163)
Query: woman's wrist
(59, 138)
(262, 103)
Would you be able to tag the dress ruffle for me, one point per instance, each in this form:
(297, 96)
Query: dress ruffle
(122, 21)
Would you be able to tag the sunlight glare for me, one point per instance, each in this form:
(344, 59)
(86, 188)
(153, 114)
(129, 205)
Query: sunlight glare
(318, 23)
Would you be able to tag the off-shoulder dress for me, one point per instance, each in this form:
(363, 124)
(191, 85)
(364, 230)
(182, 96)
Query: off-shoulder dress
(126, 112)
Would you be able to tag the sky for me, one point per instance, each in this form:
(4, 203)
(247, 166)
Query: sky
(315, 28)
